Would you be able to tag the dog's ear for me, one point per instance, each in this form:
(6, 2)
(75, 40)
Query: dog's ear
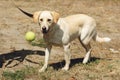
(55, 16)
(36, 16)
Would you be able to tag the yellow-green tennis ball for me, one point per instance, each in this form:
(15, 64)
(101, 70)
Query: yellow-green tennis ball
(30, 36)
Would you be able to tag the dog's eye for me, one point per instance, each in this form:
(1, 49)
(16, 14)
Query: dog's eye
(49, 20)
(41, 19)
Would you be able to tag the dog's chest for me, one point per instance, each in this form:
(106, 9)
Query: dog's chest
(59, 37)
(54, 38)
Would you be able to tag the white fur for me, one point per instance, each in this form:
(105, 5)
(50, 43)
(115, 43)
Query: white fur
(105, 39)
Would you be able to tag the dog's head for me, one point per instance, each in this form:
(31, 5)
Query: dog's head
(46, 19)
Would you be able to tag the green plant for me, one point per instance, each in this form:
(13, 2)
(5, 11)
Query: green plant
(39, 43)
(19, 74)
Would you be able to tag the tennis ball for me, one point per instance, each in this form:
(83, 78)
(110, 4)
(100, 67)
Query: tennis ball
(30, 36)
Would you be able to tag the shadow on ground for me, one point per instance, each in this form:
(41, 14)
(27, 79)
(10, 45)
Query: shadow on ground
(21, 55)
(17, 55)
(61, 64)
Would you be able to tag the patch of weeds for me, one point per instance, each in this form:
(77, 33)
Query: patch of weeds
(39, 43)
(90, 65)
(19, 74)
(92, 62)
(29, 70)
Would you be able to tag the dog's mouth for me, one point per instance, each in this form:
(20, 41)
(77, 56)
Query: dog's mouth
(45, 31)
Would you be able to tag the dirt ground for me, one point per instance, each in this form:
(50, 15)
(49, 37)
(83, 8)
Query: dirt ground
(16, 53)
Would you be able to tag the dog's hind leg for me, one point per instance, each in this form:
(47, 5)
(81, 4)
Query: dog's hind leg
(86, 44)
(88, 51)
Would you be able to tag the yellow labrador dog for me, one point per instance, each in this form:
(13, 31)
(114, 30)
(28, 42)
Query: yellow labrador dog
(61, 31)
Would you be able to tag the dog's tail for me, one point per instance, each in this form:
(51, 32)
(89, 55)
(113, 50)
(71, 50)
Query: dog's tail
(99, 39)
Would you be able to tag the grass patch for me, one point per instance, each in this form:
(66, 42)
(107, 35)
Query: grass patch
(40, 43)
(97, 61)
(19, 74)
(29, 73)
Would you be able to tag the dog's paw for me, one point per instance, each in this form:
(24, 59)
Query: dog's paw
(42, 69)
(107, 39)
(65, 68)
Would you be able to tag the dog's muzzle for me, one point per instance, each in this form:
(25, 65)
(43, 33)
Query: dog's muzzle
(44, 30)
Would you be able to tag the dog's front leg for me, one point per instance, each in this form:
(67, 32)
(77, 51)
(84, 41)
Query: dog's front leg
(67, 57)
(47, 54)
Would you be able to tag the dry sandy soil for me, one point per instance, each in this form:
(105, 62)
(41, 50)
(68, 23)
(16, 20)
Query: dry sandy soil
(16, 53)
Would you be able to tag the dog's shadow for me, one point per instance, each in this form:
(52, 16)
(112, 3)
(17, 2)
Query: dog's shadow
(61, 64)
(19, 55)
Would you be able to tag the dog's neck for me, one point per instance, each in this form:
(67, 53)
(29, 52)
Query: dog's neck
(56, 29)
(52, 30)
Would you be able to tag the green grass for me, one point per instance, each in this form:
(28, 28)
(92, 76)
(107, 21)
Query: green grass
(19, 74)
(39, 43)
(28, 72)
(86, 71)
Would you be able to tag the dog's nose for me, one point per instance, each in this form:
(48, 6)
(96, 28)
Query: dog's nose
(43, 28)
